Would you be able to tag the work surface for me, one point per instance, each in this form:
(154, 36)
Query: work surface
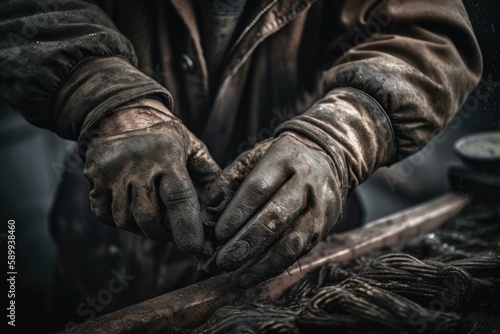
(443, 282)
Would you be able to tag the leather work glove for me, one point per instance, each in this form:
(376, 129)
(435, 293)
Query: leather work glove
(143, 167)
(286, 204)
(275, 202)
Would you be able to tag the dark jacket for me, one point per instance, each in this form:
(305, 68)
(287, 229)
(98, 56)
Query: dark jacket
(64, 64)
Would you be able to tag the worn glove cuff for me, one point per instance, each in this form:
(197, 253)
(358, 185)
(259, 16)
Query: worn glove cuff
(128, 118)
(88, 95)
(353, 130)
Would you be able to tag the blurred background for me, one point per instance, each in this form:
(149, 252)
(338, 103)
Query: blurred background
(33, 161)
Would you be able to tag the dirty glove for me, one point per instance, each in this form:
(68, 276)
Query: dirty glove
(285, 205)
(277, 201)
(143, 167)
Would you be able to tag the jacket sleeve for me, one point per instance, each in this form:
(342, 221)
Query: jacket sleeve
(398, 73)
(64, 66)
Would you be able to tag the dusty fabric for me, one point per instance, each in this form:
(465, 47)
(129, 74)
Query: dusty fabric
(451, 284)
(417, 59)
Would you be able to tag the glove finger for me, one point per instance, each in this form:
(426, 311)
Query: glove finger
(257, 188)
(100, 203)
(120, 208)
(264, 228)
(183, 209)
(234, 174)
(223, 188)
(201, 166)
(287, 250)
(146, 212)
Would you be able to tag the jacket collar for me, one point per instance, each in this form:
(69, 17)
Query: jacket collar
(262, 20)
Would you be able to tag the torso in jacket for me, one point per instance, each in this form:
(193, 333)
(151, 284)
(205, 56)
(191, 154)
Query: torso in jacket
(271, 71)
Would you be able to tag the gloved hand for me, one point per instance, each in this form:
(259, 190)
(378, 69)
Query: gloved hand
(143, 167)
(290, 197)
(277, 201)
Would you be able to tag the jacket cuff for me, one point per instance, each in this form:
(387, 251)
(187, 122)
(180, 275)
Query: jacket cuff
(352, 128)
(95, 88)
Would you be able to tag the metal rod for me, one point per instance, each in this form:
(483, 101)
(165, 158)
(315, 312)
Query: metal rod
(190, 306)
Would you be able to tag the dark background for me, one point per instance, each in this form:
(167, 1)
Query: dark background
(32, 160)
